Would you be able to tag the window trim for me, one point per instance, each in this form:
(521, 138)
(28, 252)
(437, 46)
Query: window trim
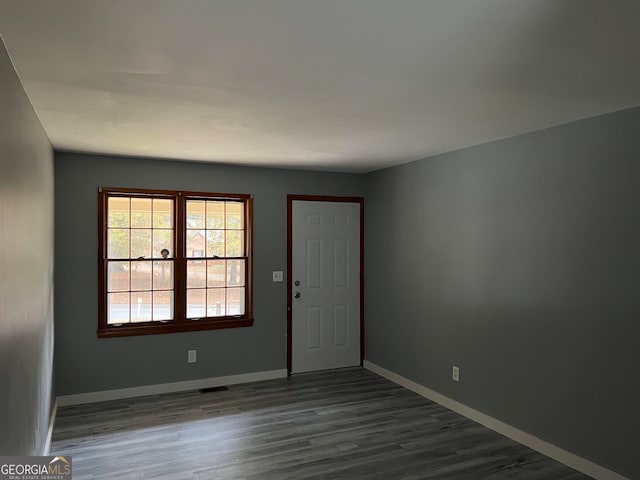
(180, 323)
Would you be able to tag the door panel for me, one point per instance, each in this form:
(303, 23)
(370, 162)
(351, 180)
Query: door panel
(325, 256)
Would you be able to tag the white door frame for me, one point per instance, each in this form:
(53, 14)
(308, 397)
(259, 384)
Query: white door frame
(319, 198)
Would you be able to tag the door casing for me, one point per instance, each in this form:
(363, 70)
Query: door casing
(320, 198)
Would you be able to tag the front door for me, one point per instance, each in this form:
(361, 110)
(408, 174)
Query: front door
(325, 262)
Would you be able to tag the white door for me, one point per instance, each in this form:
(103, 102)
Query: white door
(325, 278)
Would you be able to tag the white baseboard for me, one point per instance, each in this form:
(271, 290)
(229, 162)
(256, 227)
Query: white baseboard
(92, 397)
(574, 461)
(52, 420)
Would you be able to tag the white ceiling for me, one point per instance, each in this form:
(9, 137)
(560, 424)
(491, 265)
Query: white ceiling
(346, 85)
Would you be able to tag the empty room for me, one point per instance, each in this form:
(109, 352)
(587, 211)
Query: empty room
(318, 239)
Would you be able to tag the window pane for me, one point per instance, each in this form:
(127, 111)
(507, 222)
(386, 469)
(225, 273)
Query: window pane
(215, 215)
(215, 243)
(141, 306)
(141, 212)
(118, 308)
(235, 273)
(163, 305)
(235, 215)
(141, 275)
(235, 301)
(215, 273)
(215, 302)
(118, 209)
(118, 277)
(235, 243)
(196, 301)
(195, 213)
(162, 239)
(118, 243)
(162, 213)
(140, 243)
(196, 274)
(195, 243)
(163, 275)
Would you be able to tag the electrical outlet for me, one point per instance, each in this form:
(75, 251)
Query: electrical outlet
(278, 276)
(191, 356)
(456, 374)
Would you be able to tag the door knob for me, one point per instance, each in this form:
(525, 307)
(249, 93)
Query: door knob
(296, 295)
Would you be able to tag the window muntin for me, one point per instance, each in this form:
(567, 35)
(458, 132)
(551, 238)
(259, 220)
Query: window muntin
(173, 261)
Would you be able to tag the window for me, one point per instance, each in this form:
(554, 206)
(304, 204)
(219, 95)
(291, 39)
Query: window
(173, 261)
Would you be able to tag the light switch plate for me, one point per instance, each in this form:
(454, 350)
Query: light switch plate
(278, 276)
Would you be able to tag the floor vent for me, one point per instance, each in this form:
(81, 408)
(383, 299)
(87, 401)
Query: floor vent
(213, 389)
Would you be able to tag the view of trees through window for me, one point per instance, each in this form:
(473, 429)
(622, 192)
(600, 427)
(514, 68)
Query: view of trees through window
(215, 231)
(140, 278)
(151, 262)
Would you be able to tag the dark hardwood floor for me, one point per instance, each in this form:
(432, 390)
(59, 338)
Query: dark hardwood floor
(347, 423)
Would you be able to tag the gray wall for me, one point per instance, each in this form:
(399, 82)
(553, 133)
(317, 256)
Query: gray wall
(518, 261)
(26, 270)
(85, 363)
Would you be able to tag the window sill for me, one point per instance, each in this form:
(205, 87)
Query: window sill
(173, 327)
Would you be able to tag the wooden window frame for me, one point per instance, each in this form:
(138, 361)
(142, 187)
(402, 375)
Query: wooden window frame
(180, 322)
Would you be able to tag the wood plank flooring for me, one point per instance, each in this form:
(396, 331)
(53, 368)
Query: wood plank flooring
(340, 424)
